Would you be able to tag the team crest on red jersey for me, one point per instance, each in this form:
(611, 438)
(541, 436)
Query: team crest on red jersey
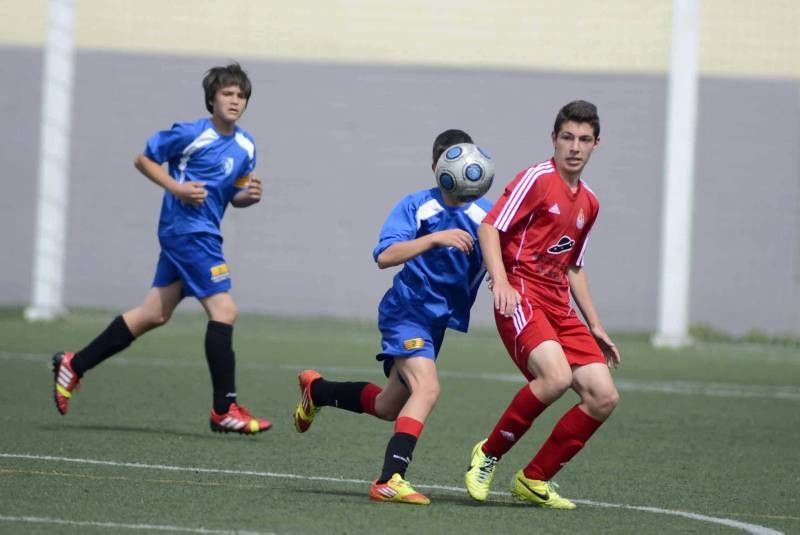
(581, 220)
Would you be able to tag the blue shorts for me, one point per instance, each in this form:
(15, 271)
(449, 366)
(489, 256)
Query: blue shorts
(403, 335)
(197, 260)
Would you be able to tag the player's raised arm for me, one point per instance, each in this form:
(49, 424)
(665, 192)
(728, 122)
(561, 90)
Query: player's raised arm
(403, 251)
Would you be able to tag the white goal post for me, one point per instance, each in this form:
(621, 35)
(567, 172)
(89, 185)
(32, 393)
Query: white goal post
(677, 201)
(47, 299)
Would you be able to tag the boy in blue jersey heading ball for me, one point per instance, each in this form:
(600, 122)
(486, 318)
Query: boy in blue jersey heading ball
(210, 163)
(434, 235)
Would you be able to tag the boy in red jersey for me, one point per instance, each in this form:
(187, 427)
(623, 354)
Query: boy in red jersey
(533, 241)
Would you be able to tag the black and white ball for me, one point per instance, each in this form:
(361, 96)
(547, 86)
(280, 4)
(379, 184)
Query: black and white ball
(465, 171)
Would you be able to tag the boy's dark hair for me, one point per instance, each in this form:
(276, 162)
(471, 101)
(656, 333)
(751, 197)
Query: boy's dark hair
(218, 77)
(448, 138)
(578, 111)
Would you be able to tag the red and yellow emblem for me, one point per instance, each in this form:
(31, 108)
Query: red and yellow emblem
(219, 272)
(413, 343)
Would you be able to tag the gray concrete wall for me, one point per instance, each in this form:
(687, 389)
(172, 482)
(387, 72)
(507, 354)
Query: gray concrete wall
(340, 144)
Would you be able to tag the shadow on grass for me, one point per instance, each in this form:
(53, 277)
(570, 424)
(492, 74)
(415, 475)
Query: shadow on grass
(147, 430)
(362, 495)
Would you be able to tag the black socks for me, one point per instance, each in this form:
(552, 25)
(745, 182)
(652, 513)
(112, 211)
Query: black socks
(111, 341)
(219, 354)
(221, 364)
(398, 456)
(340, 394)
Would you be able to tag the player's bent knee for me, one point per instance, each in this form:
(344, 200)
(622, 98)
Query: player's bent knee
(156, 320)
(428, 392)
(225, 314)
(558, 382)
(389, 416)
(229, 315)
(387, 413)
(229, 320)
(612, 400)
(562, 384)
(604, 404)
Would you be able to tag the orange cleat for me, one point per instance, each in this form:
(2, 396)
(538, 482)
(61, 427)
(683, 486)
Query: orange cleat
(396, 490)
(305, 411)
(237, 420)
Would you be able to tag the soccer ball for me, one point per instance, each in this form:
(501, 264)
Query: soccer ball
(465, 171)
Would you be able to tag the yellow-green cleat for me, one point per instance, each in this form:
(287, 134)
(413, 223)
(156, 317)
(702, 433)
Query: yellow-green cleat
(540, 493)
(479, 476)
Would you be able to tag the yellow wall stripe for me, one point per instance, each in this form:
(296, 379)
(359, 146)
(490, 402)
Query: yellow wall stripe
(738, 37)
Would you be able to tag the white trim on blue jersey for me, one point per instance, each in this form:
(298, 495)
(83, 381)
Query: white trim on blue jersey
(427, 211)
(197, 152)
(438, 286)
(206, 138)
(246, 144)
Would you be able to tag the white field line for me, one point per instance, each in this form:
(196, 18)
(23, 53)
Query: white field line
(688, 388)
(116, 525)
(755, 529)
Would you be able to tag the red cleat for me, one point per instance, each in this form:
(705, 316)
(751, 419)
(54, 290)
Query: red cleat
(66, 381)
(237, 420)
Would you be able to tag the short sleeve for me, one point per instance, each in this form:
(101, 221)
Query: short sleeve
(251, 164)
(167, 144)
(400, 225)
(248, 144)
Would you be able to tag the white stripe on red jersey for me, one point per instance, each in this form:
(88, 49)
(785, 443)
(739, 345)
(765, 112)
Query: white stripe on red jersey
(543, 224)
(519, 192)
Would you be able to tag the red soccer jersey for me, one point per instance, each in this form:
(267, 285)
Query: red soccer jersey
(543, 229)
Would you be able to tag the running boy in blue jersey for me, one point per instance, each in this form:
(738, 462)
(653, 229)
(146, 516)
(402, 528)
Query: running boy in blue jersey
(434, 235)
(210, 164)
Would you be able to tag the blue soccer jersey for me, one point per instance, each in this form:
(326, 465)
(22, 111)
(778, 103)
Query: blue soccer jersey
(440, 285)
(197, 152)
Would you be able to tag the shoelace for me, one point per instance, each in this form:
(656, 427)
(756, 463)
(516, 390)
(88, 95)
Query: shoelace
(486, 468)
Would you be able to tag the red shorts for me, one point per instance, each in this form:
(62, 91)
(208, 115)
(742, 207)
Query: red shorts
(531, 325)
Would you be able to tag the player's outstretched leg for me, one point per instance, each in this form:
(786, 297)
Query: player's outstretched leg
(66, 380)
(540, 493)
(479, 476)
(237, 420)
(396, 490)
(306, 410)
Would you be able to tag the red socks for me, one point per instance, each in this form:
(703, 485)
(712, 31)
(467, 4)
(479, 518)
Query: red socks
(514, 422)
(568, 437)
(367, 397)
(409, 426)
